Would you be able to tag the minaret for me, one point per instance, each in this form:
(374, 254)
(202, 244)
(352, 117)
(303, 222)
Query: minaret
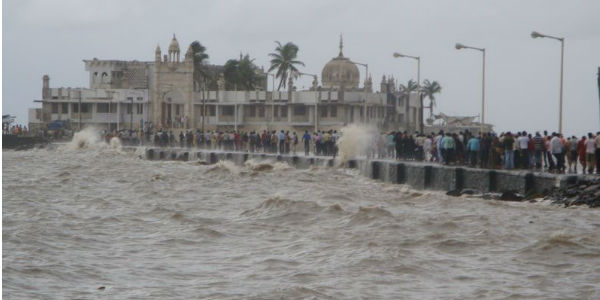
(392, 84)
(383, 85)
(157, 53)
(174, 50)
(189, 54)
(341, 46)
(46, 87)
(369, 84)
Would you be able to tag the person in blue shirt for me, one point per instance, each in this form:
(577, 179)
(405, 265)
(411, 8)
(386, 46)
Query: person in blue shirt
(473, 148)
(306, 140)
(281, 142)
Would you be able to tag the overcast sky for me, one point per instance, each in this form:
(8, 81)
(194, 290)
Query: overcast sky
(522, 74)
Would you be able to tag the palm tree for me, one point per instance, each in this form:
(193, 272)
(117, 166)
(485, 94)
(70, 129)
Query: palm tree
(405, 91)
(410, 86)
(200, 59)
(241, 73)
(430, 88)
(200, 72)
(283, 59)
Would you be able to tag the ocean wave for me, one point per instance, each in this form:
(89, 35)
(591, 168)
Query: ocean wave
(563, 243)
(366, 215)
(223, 167)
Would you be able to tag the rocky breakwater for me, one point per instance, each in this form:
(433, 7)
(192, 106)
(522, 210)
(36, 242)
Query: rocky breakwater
(575, 191)
(583, 191)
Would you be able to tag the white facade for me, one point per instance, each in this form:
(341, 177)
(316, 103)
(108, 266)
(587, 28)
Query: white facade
(163, 94)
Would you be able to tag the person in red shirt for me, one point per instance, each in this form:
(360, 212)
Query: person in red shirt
(531, 151)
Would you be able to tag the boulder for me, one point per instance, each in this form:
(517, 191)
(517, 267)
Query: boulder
(510, 196)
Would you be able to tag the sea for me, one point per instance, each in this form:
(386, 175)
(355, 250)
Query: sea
(89, 220)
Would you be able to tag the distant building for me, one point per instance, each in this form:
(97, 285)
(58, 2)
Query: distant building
(163, 94)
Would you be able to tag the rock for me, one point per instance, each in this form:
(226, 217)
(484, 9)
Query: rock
(510, 196)
(469, 192)
(575, 201)
(491, 196)
(592, 188)
(454, 193)
(572, 192)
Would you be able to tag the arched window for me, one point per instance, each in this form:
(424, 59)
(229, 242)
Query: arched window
(104, 77)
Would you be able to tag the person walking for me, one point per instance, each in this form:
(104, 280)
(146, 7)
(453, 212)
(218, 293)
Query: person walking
(448, 146)
(538, 148)
(523, 142)
(508, 143)
(572, 154)
(590, 153)
(556, 148)
(306, 141)
(294, 142)
(597, 140)
(281, 139)
(473, 149)
(581, 153)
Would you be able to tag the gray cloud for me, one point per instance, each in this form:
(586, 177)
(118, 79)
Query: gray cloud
(52, 37)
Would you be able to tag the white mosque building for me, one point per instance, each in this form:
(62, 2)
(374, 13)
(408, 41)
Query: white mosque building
(162, 94)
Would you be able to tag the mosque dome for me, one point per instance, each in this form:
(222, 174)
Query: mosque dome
(174, 46)
(340, 72)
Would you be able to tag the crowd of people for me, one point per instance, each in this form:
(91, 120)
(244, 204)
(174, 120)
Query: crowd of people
(267, 141)
(15, 129)
(551, 152)
(521, 150)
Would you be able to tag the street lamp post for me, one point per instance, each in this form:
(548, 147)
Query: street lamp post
(535, 34)
(365, 89)
(316, 100)
(131, 116)
(482, 121)
(272, 99)
(418, 58)
(203, 103)
(79, 109)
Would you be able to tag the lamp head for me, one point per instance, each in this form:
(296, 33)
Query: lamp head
(459, 46)
(396, 54)
(535, 34)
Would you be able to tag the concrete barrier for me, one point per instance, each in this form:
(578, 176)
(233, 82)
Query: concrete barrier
(415, 174)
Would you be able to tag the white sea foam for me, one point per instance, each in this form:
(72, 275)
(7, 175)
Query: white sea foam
(89, 138)
(356, 140)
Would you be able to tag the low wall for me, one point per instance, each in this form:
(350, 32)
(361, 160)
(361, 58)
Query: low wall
(10, 141)
(418, 175)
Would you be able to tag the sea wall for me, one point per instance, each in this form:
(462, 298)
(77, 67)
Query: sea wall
(418, 175)
(11, 141)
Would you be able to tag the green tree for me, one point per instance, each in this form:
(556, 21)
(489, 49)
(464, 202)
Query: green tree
(430, 88)
(284, 60)
(200, 58)
(410, 86)
(405, 91)
(241, 74)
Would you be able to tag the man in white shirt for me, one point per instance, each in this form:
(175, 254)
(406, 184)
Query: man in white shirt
(438, 143)
(590, 150)
(427, 148)
(556, 148)
(523, 142)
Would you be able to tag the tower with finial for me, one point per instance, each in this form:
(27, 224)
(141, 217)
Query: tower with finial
(341, 46)
(369, 84)
(157, 54)
(383, 85)
(340, 72)
(174, 50)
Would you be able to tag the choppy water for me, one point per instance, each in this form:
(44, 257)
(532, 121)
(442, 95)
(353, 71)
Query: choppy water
(77, 219)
